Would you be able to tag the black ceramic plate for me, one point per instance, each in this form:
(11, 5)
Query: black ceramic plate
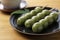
(53, 28)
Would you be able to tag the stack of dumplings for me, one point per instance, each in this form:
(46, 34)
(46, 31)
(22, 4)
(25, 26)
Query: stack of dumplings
(21, 20)
(37, 19)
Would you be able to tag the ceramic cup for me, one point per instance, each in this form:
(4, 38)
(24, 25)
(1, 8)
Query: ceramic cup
(11, 4)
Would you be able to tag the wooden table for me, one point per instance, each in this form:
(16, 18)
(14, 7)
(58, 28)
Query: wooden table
(8, 33)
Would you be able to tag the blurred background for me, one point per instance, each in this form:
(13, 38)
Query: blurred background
(8, 33)
(49, 3)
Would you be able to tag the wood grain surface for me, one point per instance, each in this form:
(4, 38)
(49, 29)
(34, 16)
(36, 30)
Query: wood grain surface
(8, 33)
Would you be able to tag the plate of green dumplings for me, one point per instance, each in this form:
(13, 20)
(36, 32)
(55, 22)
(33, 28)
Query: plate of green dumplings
(36, 20)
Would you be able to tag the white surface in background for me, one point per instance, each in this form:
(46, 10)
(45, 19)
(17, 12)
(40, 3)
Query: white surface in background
(23, 4)
(1, 6)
